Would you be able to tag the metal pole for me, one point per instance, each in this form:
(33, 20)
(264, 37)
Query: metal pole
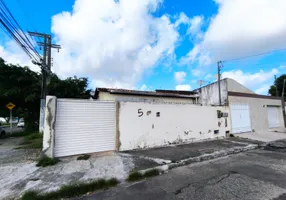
(218, 73)
(10, 121)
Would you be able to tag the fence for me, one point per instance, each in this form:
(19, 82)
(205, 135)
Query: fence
(85, 126)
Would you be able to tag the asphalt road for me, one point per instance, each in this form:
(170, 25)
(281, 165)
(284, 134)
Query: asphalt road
(257, 174)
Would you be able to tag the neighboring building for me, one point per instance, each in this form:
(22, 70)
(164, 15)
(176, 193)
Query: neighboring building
(158, 96)
(248, 110)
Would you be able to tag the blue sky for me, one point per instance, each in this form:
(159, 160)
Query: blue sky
(157, 44)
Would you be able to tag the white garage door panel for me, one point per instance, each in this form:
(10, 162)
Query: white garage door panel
(240, 118)
(84, 126)
(273, 118)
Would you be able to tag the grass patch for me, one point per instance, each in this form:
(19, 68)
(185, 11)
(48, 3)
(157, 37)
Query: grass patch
(83, 157)
(72, 190)
(231, 135)
(46, 161)
(21, 134)
(32, 141)
(135, 176)
(151, 172)
(33, 136)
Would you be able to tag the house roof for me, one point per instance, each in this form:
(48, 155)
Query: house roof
(156, 93)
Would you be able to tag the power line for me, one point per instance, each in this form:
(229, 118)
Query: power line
(14, 30)
(254, 66)
(260, 54)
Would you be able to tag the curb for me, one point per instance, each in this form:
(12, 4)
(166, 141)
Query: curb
(205, 157)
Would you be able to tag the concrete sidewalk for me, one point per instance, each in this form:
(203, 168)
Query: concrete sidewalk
(266, 136)
(178, 155)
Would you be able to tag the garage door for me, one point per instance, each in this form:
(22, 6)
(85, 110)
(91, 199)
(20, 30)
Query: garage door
(273, 119)
(240, 119)
(84, 126)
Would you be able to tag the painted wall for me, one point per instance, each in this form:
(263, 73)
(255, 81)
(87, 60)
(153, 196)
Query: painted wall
(209, 94)
(258, 110)
(143, 124)
(106, 96)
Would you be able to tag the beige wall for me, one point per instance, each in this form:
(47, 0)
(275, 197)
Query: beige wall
(258, 110)
(106, 96)
(209, 94)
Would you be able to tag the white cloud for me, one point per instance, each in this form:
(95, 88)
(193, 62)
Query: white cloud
(240, 28)
(253, 80)
(282, 67)
(13, 54)
(112, 42)
(183, 87)
(209, 77)
(197, 72)
(143, 87)
(263, 90)
(194, 25)
(180, 76)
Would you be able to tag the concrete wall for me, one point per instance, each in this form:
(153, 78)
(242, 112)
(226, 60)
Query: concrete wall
(258, 110)
(49, 127)
(209, 94)
(143, 124)
(106, 96)
(234, 86)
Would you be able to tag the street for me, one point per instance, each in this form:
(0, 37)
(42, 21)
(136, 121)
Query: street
(257, 174)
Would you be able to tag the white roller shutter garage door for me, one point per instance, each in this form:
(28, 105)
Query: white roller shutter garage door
(273, 118)
(84, 126)
(240, 119)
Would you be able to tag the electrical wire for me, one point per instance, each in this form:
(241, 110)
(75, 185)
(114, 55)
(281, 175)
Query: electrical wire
(260, 54)
(14, 30)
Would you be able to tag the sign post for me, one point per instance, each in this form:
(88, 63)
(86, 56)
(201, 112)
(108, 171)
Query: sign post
(10, 106)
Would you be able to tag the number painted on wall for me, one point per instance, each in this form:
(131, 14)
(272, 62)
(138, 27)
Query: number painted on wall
(140, 112)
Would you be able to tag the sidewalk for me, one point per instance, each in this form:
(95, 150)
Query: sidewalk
(20, 175)
(177, 155)
(266, 136)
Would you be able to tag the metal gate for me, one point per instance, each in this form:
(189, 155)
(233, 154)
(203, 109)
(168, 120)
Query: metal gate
(273, 118)
(240, 119)
(84, 126)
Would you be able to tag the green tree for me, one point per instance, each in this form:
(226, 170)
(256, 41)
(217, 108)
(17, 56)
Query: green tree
(22, 86)
(279, 84)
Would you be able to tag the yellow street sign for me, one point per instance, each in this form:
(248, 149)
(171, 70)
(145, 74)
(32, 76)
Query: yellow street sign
(10, 106)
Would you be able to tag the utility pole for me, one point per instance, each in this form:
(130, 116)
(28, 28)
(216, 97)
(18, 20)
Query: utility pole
(276, 85)
(46, 71)
(218, 74)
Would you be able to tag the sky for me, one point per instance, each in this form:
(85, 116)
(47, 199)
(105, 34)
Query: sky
(156, 44)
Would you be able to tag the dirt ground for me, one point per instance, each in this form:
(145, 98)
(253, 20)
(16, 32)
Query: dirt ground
(19, 173)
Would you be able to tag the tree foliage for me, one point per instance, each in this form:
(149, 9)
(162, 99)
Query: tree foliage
(22, 86)
(279, 84)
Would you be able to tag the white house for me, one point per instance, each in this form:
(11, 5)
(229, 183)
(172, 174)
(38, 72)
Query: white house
(248, 110)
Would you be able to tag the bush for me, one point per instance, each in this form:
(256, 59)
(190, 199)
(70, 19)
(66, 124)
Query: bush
(72, 190)
(46, 161)
(135, 176)
(30, 195)
(231, 135)
(152, 172)
(83, 157)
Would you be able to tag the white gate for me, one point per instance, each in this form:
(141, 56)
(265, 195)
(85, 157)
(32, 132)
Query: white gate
(84, 126)
(273, 118)
(240, 119)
